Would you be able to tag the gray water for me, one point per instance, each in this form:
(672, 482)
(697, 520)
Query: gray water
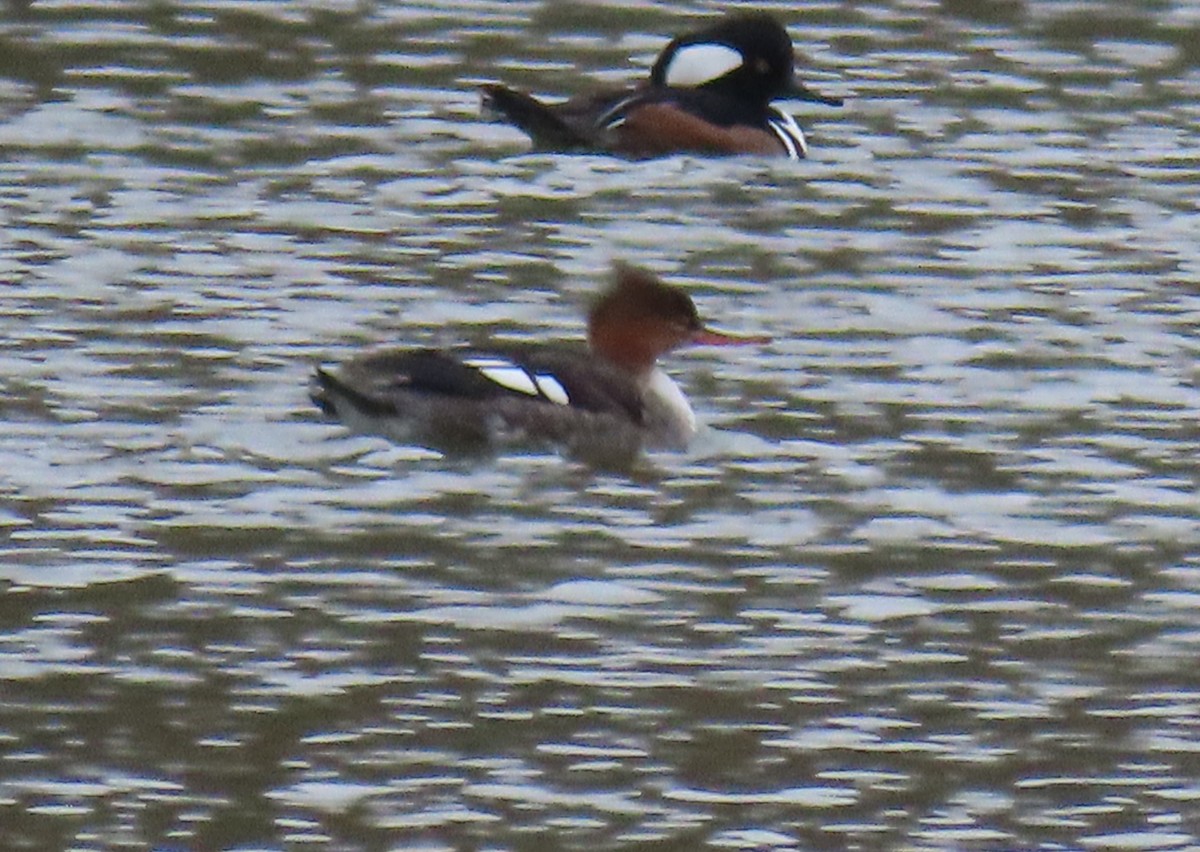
(930, 580)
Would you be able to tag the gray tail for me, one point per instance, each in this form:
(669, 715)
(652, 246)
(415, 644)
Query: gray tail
(328, 391)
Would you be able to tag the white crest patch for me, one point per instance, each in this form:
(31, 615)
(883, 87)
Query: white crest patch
(789, 133)
(504, 373)
(697, 64)
(552, 389)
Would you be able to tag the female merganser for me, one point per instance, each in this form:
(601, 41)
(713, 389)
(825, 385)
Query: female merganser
(709, 92)
(601, 405)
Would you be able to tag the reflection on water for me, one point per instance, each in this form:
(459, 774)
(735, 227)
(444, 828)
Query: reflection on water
(928, 582)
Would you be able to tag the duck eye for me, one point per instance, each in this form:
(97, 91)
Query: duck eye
(762, 66)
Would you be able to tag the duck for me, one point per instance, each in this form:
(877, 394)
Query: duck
(606, 402)
(710, 92)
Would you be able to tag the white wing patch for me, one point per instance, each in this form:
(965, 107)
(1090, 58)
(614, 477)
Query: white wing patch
(516, 378)
(552, 389)
(504, 373)
(697, 64)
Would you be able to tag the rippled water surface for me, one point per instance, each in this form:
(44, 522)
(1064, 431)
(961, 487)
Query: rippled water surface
(931, 580)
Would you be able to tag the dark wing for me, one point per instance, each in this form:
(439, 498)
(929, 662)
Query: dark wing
(588, 383)
(374, 383)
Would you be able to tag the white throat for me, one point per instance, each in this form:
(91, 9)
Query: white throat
(697, 64)
(669, 417)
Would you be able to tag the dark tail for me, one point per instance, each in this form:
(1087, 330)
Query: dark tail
(540, 122)
(323, 388)
(328, 390)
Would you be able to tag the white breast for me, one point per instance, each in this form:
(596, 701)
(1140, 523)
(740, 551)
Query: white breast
(668, 415)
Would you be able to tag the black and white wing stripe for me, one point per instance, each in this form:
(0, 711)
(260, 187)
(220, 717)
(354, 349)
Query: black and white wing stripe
(561, 377)
(514, 377)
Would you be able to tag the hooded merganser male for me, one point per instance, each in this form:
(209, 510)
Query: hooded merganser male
(603, 404)
(709, 92)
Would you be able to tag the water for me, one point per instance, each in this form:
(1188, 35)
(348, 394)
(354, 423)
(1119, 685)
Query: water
(929, 582)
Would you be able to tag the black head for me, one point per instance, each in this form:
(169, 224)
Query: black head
(746, 55)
